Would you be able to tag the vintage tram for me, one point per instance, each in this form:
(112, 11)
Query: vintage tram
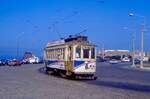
(73, 57)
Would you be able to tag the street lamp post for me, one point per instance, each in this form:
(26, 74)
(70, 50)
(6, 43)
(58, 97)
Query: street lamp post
(133, 46)
(142, 43)
(17, 47)
(142, 37)
(133, 50)
(103, 51)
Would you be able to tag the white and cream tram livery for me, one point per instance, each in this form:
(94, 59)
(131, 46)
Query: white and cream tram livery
(71, 57)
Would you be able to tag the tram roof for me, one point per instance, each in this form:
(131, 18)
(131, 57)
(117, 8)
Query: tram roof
(58, 43)
(72, 40)
(55, 43)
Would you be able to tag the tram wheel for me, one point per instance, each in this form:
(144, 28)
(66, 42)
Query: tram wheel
(95, 78)
(63, 75)
(49, 71)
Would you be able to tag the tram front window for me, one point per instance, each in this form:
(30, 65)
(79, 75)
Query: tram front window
(78, 52)
(86, 53)
(92, 53)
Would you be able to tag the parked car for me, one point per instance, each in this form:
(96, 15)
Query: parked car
(114, 61)
(125, 59)
(2, 62)
(24, 61)
(14, 63)
(100, 59)
(137, 61)
(145, 59)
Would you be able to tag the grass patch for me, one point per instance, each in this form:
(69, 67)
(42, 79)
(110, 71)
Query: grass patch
(144, 65)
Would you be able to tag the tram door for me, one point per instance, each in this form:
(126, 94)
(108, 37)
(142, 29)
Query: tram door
(69, 63)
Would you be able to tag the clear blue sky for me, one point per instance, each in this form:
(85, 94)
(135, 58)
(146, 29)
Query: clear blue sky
(35, 22)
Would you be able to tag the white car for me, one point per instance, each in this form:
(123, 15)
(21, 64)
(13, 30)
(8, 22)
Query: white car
(126, 59)
(114, 61)
(33, 60)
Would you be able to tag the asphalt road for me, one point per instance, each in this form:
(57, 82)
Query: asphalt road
(116, 81)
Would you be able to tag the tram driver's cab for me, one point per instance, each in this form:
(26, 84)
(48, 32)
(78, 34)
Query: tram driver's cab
(85, 52)
(84, 59)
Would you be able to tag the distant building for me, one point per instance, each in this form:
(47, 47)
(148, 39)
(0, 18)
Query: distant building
(27, 55)
(30, 58)
(138, 54)
(116, 52)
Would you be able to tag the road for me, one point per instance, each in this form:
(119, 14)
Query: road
(116, 81)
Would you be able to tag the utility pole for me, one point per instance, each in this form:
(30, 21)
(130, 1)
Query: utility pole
(103, 51)
(142, 36)
(17, 47)
(133, 46)
(133, 50)
(142, 43)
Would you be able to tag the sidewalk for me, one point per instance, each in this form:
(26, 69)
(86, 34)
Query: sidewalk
(137, 67)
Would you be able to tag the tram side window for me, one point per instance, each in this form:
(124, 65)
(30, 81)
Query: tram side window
(93, 53)
(86, 53)
(78, 52)
(63, 53)
(48, 53)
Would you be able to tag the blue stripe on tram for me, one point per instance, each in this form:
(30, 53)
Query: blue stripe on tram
(52, 61)
(77, 63)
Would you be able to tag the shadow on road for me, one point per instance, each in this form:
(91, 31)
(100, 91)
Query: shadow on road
(42, 70)
(121, 85)
(112, 84)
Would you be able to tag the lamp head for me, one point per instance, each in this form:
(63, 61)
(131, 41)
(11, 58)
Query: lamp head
(131, 14)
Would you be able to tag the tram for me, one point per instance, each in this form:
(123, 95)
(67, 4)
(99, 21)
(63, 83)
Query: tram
(73, 57)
